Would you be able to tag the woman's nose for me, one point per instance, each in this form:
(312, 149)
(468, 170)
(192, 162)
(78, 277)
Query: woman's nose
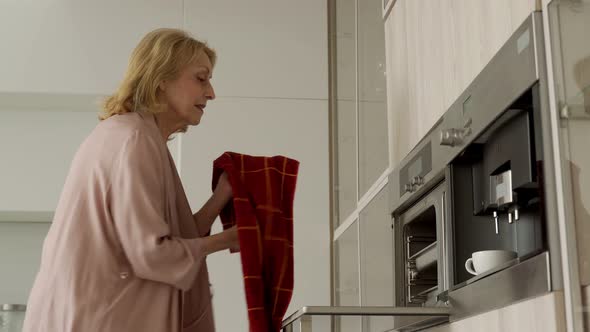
(210, 93)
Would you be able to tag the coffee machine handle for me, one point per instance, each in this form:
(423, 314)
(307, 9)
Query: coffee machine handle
(469, 266)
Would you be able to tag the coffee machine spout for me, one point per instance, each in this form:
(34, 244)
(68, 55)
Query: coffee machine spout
(495, 213)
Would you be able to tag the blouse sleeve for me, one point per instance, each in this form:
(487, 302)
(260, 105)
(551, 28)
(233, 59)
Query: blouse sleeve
(137, 203)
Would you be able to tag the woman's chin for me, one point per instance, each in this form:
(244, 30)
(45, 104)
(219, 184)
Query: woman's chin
(195, 121)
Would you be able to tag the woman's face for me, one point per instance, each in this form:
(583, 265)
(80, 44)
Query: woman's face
(188, 94)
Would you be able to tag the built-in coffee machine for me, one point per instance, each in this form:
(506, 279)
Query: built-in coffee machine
(469, 207)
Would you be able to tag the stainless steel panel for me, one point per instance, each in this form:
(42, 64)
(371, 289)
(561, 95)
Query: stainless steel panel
(519, 282)
(424, 317)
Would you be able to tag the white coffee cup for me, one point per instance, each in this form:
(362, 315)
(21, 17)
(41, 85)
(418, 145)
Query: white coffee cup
(481, 261)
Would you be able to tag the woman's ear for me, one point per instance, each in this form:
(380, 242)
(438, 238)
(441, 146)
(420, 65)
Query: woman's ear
(163, 85)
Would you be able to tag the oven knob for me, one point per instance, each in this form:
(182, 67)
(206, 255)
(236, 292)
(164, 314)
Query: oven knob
(451, 137)
(417, 181)
(408, 188)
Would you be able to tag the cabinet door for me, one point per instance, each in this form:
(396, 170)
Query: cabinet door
(451, 68)
(414, 111)
(345, 110)
(520, 10)
(468, 29)
(398, 104)
(372, 111)
(570, 26)
(496, 17)
(376, 264)
(425, 63)
(346, 283)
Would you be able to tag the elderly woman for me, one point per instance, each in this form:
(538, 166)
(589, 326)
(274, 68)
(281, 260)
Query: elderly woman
(125, 252)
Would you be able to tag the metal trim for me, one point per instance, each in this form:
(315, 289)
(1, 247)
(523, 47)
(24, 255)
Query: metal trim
(567, 238)
(365, 311)
(13, 307)
(332, 132)
(486, 295)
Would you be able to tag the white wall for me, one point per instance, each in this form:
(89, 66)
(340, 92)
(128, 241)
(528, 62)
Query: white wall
(272, 86)
(271, 82)
(74, 46)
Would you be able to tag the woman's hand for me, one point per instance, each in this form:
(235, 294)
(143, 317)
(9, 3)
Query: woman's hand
(223, 188)
(227, 239)
(233, 240)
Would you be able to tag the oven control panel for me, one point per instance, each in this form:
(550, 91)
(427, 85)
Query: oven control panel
(411, 176)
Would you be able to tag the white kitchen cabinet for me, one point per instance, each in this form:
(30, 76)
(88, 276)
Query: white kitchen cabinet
(429, 61)
(468, 31)
(345, 111)
(496, 18)
(414, 73)
(400, 117)
(521, 9)
(75, 46)
(346, 160)
(413, 112)
(434, 51)
(451, 69)
(37, 146)
(346, 283)
(372, 110)
(376, 255)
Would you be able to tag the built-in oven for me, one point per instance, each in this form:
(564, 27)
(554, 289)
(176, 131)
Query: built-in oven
(419, 253)
(419, 234)
(418, 249)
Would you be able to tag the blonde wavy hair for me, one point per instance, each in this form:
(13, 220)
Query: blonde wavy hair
(159, 56)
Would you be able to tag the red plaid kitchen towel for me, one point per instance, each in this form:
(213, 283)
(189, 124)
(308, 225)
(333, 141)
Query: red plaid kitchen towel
(262, 207)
